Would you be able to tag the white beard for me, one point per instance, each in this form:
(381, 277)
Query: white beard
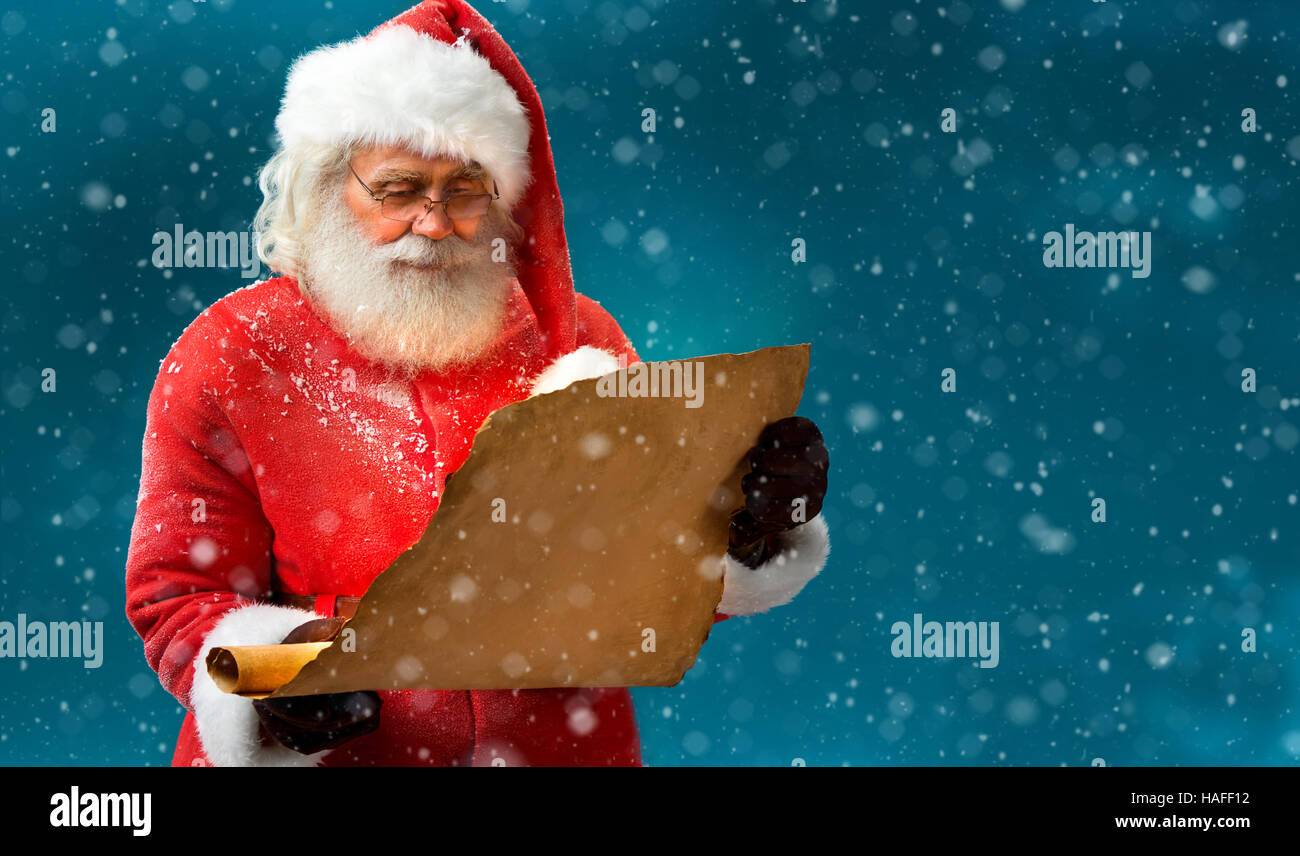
(441, 308)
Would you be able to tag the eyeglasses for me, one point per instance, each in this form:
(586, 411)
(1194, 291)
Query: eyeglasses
(409, 207)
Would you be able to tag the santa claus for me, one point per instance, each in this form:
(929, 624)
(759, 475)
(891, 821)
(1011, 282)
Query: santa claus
(301, 430)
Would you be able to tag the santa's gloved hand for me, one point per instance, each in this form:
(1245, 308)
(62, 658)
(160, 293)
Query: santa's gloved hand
(314, 723)
(788, 463)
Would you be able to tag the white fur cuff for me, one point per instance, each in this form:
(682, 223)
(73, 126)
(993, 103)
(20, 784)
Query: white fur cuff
(228, 725)
(748, 591)
(584, 363)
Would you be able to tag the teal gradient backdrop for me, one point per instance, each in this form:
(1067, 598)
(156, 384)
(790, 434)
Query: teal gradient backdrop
(776, 121)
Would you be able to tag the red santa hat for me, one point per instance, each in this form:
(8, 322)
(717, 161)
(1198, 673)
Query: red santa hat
(440, 80)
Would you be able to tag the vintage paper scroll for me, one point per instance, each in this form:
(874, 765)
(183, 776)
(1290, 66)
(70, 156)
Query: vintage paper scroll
(256, 671)
(580, 544)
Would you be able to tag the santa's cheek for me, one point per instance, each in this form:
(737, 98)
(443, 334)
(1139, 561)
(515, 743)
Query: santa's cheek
(385, 231)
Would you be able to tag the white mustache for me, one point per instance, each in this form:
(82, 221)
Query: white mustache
(449, 252)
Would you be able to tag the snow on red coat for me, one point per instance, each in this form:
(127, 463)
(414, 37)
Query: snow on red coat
(273, 451)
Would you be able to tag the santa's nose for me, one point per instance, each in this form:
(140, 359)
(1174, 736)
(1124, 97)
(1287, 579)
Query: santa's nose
(435, 224)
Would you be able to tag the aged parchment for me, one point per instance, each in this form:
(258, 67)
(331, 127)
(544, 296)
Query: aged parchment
(579, 545)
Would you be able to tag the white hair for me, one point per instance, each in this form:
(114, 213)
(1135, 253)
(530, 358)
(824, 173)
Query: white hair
(288, 181)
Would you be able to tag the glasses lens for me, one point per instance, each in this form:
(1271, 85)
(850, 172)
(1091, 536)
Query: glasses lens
(404, 206)
(461, 207)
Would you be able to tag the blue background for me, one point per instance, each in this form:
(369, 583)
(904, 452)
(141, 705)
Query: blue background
(813, 120)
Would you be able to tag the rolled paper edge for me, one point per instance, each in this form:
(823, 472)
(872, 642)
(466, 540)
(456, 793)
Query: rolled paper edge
(256, 671)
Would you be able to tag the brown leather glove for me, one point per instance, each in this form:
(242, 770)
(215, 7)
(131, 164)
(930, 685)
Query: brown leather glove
(310, 724)
(789, 461)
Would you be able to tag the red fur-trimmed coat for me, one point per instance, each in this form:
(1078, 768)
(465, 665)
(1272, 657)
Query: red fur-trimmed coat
(271, 448)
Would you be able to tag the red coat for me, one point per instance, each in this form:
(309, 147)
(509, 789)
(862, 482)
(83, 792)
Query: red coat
(272, 448)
